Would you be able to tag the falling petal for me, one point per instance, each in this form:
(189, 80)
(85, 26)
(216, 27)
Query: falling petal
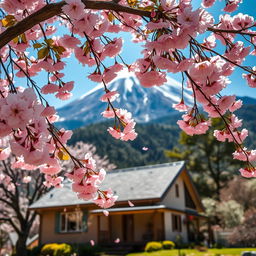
(92, 242)
(117, 240)
(106, 213)
(130, 204)
(145, 148)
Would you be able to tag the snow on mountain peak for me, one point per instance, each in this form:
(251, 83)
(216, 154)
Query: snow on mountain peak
(146, 104)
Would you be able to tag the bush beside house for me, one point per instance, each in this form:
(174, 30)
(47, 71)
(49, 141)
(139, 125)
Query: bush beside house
(56, 250)
(156, 246)
(167, 245)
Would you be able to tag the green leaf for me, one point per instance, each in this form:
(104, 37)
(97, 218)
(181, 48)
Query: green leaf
(49, 41)
(63, 155)
(8, 21)
(37, 45)
(43, 53)
(59, 49)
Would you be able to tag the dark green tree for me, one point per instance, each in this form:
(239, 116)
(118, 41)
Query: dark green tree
(209, 160)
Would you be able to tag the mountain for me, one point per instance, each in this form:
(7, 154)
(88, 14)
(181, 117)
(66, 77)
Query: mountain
(146, 104)
(156, 137)
(247, 100)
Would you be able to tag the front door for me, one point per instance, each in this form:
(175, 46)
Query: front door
(128, 228)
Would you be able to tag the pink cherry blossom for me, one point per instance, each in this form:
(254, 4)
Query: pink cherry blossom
(63, 95)
(232, 5)
(251, 79)
(5, 153)
(208, 3)
(74, 8)
(69, 41)
(26, 179)
(242, 155)
(109, 96)
(108, 113)
(116, 133)
(248, 172)
(48, 111)
(130, 204)
(106, 213)
(151, 78)
(180, 106)
(117, 241)
(50, 88)
(113, 48)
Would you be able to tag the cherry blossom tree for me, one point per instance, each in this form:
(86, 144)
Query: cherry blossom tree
(171, 32)
(19, 188)
(21, 185)
(244, 233)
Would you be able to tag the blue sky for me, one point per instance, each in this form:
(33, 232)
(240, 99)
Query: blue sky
(76, 72)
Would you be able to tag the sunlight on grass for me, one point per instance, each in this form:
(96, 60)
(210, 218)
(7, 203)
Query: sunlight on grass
(192, 252)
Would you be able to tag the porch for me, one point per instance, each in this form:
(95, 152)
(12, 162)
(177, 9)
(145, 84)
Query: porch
(131, 227)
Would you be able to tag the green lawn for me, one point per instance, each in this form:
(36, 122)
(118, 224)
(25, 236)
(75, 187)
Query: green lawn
(192, 252)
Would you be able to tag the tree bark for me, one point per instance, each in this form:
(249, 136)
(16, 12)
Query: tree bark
(21, 248)
(54, 9)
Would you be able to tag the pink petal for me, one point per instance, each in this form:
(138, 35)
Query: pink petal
(106, 213)
(92, 242)
(117, 240)
(145, 148)
(130, 204)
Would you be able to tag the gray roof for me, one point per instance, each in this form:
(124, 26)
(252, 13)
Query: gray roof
(145, 182)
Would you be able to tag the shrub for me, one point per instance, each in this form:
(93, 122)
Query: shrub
(86, 249)
(35, 251)
(56, 250)
(167, 245)
(153, 246)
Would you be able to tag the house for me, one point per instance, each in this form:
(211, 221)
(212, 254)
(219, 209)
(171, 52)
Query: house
(166, 204)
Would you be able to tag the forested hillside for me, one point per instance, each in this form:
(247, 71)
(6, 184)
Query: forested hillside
(157, 137)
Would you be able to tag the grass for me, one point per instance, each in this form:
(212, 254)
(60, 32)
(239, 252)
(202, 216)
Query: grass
(193, 252)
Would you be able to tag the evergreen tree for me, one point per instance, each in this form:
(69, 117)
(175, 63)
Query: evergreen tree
(208, 159)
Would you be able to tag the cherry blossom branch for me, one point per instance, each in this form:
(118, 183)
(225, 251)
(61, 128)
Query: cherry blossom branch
(225, 58)
(54, 9)
(175, 54)
(240, 31)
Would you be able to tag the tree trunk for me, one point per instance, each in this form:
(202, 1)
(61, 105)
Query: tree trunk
(21, 248)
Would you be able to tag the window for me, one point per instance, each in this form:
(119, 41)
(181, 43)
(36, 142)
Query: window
(176, 223)
(188, 199)
(71, 221)
(177, 192)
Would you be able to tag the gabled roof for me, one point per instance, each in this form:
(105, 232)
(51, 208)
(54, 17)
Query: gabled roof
(145, 182)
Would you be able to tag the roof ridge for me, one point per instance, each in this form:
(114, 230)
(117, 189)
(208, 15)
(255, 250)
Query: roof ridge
(143, 167)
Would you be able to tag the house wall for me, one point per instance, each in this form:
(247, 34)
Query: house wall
(148, 226)
(116, 227)
(49, 234)
(169, 233)
(171, 200)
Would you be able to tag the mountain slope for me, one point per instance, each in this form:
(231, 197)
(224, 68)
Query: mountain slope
(146, 104)
(157, 137)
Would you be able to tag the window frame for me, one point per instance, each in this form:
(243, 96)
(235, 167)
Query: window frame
(176, 223)
(79, 222)
(177, 190)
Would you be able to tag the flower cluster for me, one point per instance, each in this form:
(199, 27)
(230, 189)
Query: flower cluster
(123, 118)
(87, 181)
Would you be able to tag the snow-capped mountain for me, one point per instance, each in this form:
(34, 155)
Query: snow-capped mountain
(146, 104)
